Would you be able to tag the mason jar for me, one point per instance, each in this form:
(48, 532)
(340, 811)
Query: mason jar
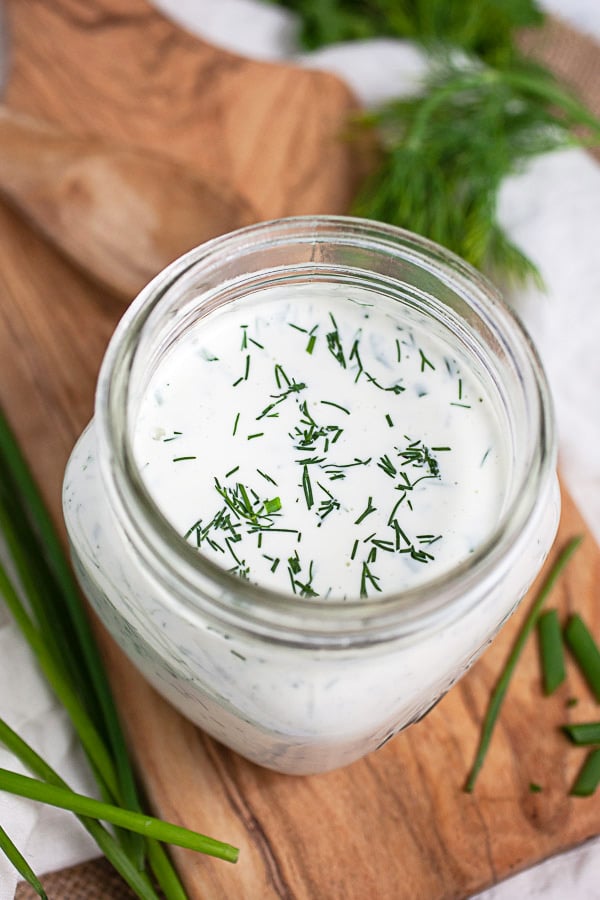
(296, 685)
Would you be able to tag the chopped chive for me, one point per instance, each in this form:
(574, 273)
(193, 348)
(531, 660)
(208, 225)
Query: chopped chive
(266, 477)
(231, 471)
(247, 368)
(551, 651)
(307, 487)
(273, 505)
(367, 575)
(258, 434)
(585, 650)
(311, 343)
(369, 509)
(583, 732)
(534, 787)
(183, 458)
(501, 688)
(244, 337)
(354, 549)
(337, 405)
(235, 424)
(425, 362)
(398, 351)
(388, 419)
(572, 701)
(298, 328)
(460, 388)
(256, 344)
(463, 405)
(589, 776)
(275, 564)
(239, 381)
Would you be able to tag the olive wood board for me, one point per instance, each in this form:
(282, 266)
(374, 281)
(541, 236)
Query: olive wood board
(397, 824)
(394, 825)
(166, 122)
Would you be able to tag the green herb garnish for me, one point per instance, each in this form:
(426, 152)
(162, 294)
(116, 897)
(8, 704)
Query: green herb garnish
(481, 114)
(589, 776)
(501, 688)
(585, 651)
(551, 651)
(583, 733)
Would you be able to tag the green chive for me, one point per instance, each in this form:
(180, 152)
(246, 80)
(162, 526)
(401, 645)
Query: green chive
(501, 688)
(40, 791)
(589, 776)
(535, 788)
(583, 733)
(126, 867)
(586, 652)
(20, 863)
(551, 651)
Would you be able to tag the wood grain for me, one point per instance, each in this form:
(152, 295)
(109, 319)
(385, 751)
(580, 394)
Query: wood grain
(67, 184)
(395, 825)
(119, 70)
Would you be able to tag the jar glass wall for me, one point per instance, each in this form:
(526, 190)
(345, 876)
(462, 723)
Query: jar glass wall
(294, 685)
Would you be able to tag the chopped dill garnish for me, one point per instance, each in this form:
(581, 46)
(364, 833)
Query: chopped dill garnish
(334, 344)
(425, 362)
(337, 405)
(367, 575)
(307, 487)
(366, 512)
(266, 477)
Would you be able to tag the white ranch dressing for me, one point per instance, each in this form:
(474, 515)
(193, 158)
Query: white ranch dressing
(313, 443)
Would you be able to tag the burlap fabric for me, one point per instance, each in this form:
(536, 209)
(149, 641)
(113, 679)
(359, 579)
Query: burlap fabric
(575, 58)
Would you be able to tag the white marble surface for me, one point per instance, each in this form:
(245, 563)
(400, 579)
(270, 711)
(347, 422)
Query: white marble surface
(553, 211)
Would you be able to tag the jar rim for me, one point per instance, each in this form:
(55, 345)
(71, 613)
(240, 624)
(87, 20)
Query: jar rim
(204, 586)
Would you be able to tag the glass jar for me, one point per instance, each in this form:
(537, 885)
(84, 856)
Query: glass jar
(295, 686)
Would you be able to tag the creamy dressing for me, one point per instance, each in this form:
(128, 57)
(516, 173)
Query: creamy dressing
(315, 444)
(408, 388)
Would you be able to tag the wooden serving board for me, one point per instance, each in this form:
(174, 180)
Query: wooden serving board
(397, 824)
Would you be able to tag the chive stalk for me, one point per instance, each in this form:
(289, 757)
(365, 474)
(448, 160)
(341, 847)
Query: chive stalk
(583, 732)
(148, 826)
(551, 651)
(501, 688)
(585, 650)
(589, 776)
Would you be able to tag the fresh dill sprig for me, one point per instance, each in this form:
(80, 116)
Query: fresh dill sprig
(482, 112)
(448, 150)
(484, 27)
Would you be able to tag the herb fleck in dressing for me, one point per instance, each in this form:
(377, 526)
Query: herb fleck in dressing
(323, 447)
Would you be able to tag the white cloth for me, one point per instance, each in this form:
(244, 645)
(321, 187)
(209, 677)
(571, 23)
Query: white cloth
(553, 212)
